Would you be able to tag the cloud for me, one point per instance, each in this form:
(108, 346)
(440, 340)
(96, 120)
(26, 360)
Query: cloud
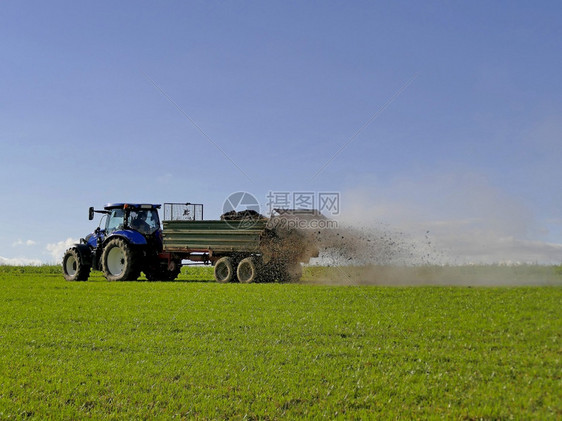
(463, 217)
(19, 261)
(57, 249)
(20, 242)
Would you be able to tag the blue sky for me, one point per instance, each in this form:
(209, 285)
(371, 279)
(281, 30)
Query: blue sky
(463, 102)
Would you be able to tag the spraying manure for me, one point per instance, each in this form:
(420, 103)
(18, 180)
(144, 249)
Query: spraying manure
(378, 255)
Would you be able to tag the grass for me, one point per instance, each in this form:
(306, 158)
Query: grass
(197, 349)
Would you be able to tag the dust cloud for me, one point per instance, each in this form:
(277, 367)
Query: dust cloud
(381, 256)
(455, 228)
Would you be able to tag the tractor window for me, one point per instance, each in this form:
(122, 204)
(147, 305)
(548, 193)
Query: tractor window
(145, 221)
(115, 220)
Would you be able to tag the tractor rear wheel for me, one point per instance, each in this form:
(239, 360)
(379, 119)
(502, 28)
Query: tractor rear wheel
(224, 270)
(72, 267)
(118, 261)
(247, 270)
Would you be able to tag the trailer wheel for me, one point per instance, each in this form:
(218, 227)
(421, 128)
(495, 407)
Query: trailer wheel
(118, 261)
(224, 270)
(247, 270)
(72, 267)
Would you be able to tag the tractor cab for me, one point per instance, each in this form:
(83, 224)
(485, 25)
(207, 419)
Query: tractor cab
(137, 223)
(141, 218)
(125, 216)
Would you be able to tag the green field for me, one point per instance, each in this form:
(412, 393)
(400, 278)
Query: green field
(197, 349)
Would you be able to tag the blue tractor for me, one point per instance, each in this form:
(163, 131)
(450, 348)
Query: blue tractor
(129, 243)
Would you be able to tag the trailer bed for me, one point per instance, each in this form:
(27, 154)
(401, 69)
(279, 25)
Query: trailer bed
(214, 236)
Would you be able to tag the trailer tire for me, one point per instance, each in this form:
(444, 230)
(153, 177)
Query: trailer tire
(118, 261)
(224, 270)
(247, 271)
(73, 269)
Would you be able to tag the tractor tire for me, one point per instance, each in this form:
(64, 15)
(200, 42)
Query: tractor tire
(118, 261)
(72, 267)
(247, 271)
(224, 270)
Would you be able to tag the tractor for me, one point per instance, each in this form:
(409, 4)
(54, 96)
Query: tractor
(129, 242)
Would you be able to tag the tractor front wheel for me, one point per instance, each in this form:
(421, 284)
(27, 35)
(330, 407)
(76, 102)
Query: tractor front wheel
(118, 261)
(72, 267)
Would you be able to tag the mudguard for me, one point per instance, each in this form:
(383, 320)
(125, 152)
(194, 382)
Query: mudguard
(133, 237)
(85, 253)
